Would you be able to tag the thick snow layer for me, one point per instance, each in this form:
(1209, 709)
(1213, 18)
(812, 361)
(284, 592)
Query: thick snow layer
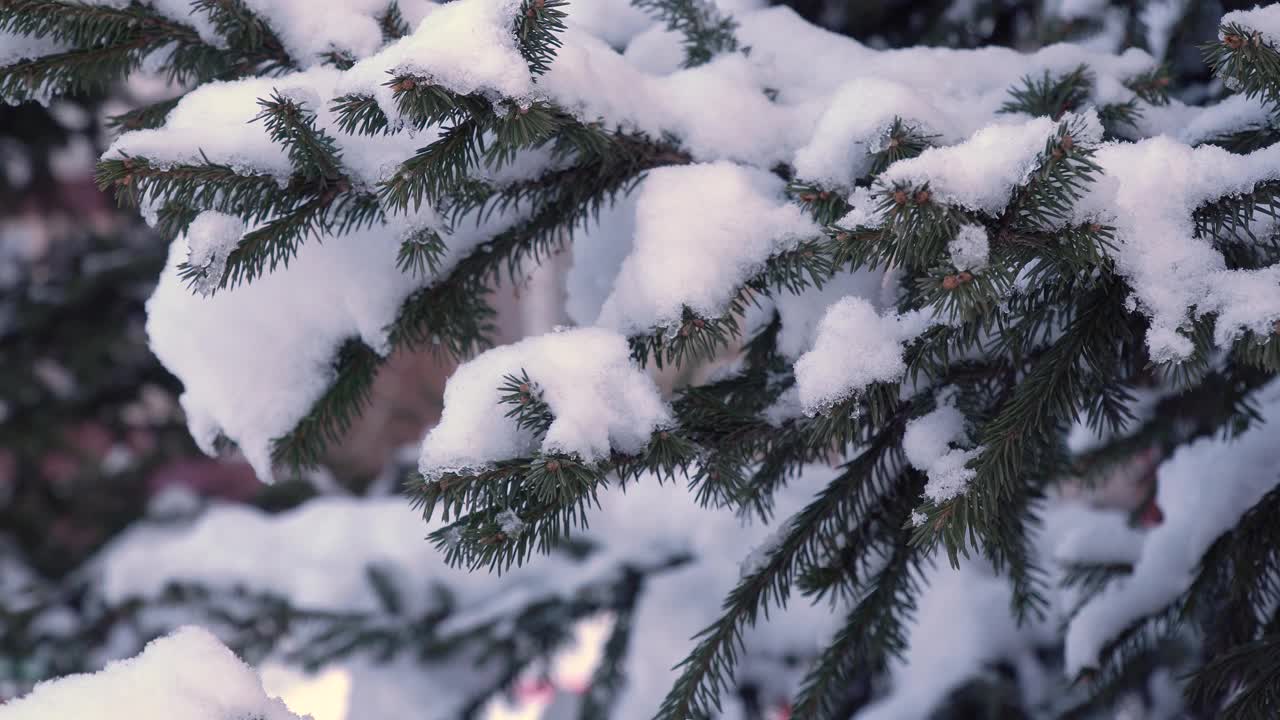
(253, 359)
(855, 347)
(981, 172)
(1264, 19)
(928, 442)
(600, 246)
(1203, 489)
(701, 231)
(467, 47)
(801, 313)
(1194, 124)
(853, 127)
(1149, 190)
(722, 221)
(214, 121)
(600, 399)
(188, 675)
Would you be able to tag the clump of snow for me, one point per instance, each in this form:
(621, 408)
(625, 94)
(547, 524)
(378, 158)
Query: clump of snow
(466, 46)
(970, 248)
(701, 231)
(187, 675)
(210, 238)
(800, 313)
(616, 22)
(758, 558)
(982, 172)
(1194, 124)
(1242, 470)
(1148, 190)
(600, 245)
(214, 122)
(600, 399)
(852, 128)
(511, 523)
(855, 347)
(1263, 19)
(254, 358)
(927, 444)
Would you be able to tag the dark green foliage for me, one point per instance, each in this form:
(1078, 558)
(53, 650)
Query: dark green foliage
(393, 23)
(903, 140)
(107, 44)
(333, 414)
(538, 26)
(421, 252)
(1248, 677)
(1246, 59)
(1051, 96)
(1229, 223)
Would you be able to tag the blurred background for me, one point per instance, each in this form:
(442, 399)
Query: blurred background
(93, 443)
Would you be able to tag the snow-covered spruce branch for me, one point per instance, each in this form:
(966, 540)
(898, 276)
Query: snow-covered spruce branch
(97, 45)
(942, 262)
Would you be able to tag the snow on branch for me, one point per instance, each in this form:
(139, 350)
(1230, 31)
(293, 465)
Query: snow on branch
(601, 403)
(187, 675)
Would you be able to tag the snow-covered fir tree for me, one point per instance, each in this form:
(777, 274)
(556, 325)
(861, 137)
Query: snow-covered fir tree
(926, 376)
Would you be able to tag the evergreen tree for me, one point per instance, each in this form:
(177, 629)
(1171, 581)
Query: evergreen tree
(941, 295)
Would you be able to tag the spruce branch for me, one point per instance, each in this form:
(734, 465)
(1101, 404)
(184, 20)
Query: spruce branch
(537, 28)
(392, 23)
(824, 206)
(901, 141)
(707, 671)
(333, 414)
(1242, 684)
(106, 44)
(421, 253)
(205, 186)
(1131, 667)
(360, 115)
(528, 408)
(146, 117)
(248, 35)
(1152, 86)
(83, 26)
(1246, 61)
(707, 32)
(312, 152)
(1243, 142)
(696, 338)
(1229, 223)
(1050, 96)
(874, 628)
